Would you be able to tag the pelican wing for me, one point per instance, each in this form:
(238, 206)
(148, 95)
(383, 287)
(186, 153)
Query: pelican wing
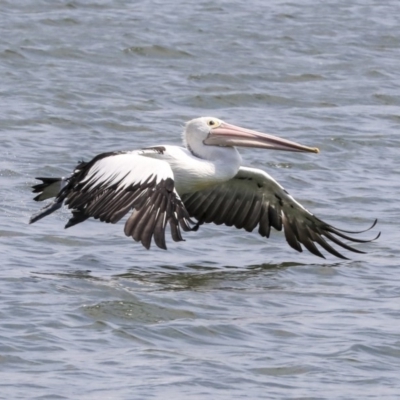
(253, 198)
(113, 184)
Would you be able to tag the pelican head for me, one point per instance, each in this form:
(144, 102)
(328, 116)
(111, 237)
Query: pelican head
(210, 131)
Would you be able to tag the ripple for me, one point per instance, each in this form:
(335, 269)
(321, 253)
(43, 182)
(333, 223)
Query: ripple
(135, 311)
(387, 99)
(284, 371)
(156, 51)
(304, 78)
(9, 54)
(60, 22)
(216, 101)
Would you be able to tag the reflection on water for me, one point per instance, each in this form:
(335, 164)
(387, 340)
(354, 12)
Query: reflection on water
(198, 277)
(172, 278)
(143, 313)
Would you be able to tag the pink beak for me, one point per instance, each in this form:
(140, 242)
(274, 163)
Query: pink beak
(230, 135)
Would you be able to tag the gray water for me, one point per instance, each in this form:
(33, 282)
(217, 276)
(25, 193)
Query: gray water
(87, 313)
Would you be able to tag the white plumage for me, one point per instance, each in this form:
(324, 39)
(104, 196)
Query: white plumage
(205, 180)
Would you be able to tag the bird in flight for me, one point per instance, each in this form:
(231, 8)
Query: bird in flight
(185, 187)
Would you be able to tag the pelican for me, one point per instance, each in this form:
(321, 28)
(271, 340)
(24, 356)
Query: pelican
(185, 187)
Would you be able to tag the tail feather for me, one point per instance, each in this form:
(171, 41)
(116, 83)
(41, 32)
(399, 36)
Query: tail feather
(50, 187)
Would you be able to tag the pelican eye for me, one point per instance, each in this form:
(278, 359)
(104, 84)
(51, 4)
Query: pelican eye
(212, 122)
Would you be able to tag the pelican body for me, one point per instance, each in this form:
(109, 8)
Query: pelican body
(185, 187)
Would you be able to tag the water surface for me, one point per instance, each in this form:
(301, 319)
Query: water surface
(87, 313)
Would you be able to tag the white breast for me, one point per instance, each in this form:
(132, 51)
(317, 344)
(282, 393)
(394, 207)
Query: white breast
(192, 173)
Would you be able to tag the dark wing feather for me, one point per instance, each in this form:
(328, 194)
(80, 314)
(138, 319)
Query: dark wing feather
(113, 184)
(252, 198)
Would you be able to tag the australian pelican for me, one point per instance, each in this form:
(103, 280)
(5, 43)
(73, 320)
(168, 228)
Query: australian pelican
(203, 180)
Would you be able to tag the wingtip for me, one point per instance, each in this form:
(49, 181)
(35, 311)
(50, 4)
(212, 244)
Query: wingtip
(357, 232)
(377, 236)
(162, 246)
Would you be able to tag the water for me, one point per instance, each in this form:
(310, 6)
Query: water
(86, 313)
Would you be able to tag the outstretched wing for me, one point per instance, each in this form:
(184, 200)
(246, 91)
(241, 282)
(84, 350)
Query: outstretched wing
(112, 184)
(253, 198)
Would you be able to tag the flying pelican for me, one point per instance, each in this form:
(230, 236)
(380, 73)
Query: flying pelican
(203, 180)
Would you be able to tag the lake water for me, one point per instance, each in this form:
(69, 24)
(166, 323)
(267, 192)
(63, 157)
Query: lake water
(87, 313)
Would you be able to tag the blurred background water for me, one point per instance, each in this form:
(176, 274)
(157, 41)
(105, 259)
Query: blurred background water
(87, 313)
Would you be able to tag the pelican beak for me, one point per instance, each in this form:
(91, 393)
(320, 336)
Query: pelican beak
(230, 135)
